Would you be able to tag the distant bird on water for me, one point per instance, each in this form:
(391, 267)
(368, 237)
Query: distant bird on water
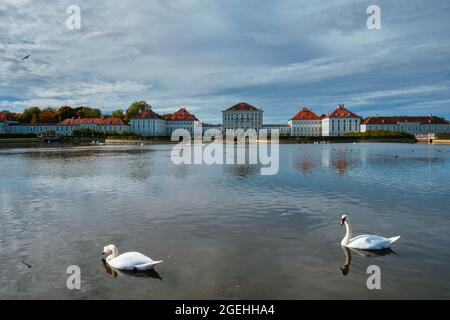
(26, 57)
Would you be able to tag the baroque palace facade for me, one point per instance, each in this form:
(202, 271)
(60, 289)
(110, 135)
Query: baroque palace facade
(148, 123)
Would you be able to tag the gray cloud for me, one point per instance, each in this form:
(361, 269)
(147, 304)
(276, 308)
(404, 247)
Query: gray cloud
(208, 55)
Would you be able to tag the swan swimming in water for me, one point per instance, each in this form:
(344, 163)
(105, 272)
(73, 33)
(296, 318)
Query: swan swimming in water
(128, 260)
(152, 273)
(364, 242)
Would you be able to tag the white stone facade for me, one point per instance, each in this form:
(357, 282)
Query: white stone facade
(305, 123)
(340, 122)
(148, 124)
(412, 125)
(242, 116)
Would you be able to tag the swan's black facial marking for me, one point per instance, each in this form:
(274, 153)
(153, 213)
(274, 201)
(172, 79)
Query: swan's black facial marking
(343, 220)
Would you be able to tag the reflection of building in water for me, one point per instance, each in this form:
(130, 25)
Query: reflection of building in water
(306, 165)
(340, 164)
(342, 157)
(307, 160)
(243, 170)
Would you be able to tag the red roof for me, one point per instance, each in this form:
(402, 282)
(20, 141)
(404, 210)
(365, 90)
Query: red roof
(4, 116)
(147, 114)
(182, 114)
(341, 112)
(306, 114)
(243, 106)
(398, 119)
(99, 121)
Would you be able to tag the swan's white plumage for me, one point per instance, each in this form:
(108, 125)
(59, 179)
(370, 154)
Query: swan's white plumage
(369, 242)
(128, 260)
(365, 242)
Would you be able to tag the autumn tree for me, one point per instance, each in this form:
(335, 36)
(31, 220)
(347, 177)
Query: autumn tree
(48, 115)
(11, 116)
(86, 112)
(65, 112)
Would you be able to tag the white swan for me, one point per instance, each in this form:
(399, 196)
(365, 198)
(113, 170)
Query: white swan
(364, 242)
(128, 260)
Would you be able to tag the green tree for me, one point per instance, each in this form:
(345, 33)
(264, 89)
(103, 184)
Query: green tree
(30, 114)
(166, 116)
(118, 114)
(137, 106)
(65, 112)
(86, 112)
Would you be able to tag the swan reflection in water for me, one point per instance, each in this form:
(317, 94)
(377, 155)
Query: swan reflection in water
(365, 253)
(152, 273)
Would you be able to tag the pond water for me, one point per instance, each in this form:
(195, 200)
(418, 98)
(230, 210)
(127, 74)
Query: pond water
(224, 231)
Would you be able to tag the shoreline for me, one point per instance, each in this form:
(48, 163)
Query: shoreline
(34, 141)
(441, 141)
(281, 141)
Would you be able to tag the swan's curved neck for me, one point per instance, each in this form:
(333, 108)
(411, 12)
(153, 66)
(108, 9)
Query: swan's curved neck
(114, 254)
(348, 233)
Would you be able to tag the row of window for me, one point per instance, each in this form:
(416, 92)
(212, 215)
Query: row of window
(242, 116)
(307, 129)
(411, 128)
(62, 129)
(348, 128)
(345, 121)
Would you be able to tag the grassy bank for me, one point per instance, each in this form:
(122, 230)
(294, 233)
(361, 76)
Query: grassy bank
(19, 140)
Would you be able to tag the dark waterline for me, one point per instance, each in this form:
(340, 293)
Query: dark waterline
(224, 231)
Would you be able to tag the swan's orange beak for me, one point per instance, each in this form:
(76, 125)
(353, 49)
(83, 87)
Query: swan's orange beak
(342, 221)
(103, 253)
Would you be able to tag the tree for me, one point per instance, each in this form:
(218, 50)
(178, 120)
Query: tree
(136, 107)
(34, 119)
(166, 116)
(118, 114)
(12, 116)
(29, 114)
(65, 112)
(86, 112)
(48, 115)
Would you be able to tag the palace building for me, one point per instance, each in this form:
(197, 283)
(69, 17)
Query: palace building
(409, 124)
(305, 123)
(182, 119)
(148, 124)
(242, 116)
(66, 127)
(340, 122)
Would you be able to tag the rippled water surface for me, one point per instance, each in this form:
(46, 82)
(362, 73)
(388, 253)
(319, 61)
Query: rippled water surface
(224, 231)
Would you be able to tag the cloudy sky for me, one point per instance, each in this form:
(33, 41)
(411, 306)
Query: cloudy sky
(210, 54)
